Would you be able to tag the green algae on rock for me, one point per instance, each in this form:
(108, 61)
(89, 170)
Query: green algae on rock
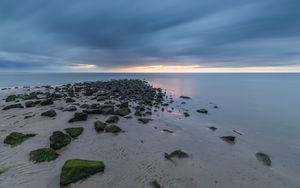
(264, 158)
(42, 155)
(74, 131)
(99, 126)
(16, 138)
(77, 169)
(112, 119)
(177, 154)
(59, 140)
(113, 129)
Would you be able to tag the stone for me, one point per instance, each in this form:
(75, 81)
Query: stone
(29, 104)
(79, 116)
(145, 120)
(212, 128)
(77, 169)
(167, 130)
(49, 113)
(70, 108)
(155, 184)
(99, 126)
(58, 140)
(202, 110)
(264, 158)
(185, 97)
(112, 119)
(70, 100)
(18, 105)
(123, 111)
(74, 132)
(10, 98)
(229, 139)
(112, 129)
(107, 109)
(186, 114)
(93, 111)
(177, 154)
(16, 138)
(43, 155)
(46, 102)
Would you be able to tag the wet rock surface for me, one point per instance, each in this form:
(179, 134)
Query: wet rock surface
(49, 113)
(79, 116)
(74, 132)
(58, 140)
(18, 105)
(16, 138)
(43, 155)
(264, 158)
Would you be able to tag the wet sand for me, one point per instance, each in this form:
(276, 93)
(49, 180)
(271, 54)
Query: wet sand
(135, 157)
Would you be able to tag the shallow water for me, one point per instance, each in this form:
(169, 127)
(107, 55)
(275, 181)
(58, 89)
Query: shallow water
(263, 107)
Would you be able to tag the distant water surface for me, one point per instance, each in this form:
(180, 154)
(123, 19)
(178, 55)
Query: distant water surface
(265, 108)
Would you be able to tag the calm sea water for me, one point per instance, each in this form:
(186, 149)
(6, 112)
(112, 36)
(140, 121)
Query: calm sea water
(265, 108)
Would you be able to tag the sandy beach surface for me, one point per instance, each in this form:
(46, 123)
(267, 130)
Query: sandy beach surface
(135, 157)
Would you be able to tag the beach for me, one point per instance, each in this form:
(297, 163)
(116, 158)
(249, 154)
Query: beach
(135, 157)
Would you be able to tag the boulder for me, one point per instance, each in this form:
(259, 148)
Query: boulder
(16, 138)
(10, 98)
(29, 104)
(93, 111)
(99, 126)
(77, 169)
(70, 100)
(112, 119)
(202, 110)
(46, 102)
(49, 113)
(113, 129)
(18, 105)
(186, 114)
(229, 139)
(43, 155)
(74, 131)
(107, 109)
(177, 154)
(70, 108)
(123, 111)
(79, 116)
(264, 158)
(58, 140)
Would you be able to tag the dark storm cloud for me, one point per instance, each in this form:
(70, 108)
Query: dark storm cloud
(139, 32)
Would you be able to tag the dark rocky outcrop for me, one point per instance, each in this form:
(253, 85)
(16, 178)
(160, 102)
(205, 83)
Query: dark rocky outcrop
(49, 113)
(29, 104)
(112, 119)
(99, 126)
(58, 140)
(46, 102)
(10, 98)
(16, 138)
(74, 132)
(79, 116)
(112, 129)
(18, 105)
(43, 155)
(77, 169)
(70, 108)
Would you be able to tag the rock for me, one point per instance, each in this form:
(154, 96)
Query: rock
(145, 120)
(29, 116)
(107, 109)
(70, 108)
(186, 114)
(124, 105)
(99, 126)
(185, 97)
(155, 184)
(113, 129)
(128, 117)
(49, 113)
(167, 130)
(59, 140)
(85, 106)
(112, 119)
(212, 128)
(229, 139)
(216, 107)
(16, 138)
(46, 102)
(202, 110)
(18, 105)
(264, 158)
(29, 104)
(10, 98)
(123, 111)
(43, 155)
(93, 111)
(74, 131)
(77, 169)
(70, 100)
(78, 116)
(177, 154)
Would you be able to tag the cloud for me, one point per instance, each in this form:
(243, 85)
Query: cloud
(122, 33)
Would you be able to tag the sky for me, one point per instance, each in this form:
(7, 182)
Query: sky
(150, 36)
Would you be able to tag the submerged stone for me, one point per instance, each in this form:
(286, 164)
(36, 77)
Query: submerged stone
(112, 119)
(77, 169)
(99, 126)
(43, 155)
(186, 114)
(16, 138)
(18, 105)
(49, 113)
(113, 129)
(58, 140)
(212, 128)
(74, 131)
(229, 139)
(177, 154)
(79, 116)
(264, 158)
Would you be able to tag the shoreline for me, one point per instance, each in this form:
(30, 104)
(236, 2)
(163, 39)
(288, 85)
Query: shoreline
(130, 162)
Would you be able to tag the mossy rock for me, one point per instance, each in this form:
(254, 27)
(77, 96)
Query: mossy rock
(123, 111)
(16, 138)
(99, 126)
(177, 154)
(77, 169)
(112, 119)
(74, 131)
(264, 158)
(59, 140)
(113, 129)
(42, 155)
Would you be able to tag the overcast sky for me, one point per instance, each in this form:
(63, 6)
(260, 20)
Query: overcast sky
(59, 35)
